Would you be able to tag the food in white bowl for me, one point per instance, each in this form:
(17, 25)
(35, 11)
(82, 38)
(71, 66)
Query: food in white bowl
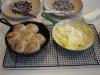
(28, 6)
(69, 7)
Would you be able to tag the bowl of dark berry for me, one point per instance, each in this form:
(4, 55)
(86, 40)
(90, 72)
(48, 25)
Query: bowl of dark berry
(63, 7)
(23, 6)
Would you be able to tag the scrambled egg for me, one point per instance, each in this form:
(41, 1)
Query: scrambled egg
(73, 36)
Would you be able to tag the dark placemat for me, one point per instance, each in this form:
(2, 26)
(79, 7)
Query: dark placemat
(54, 56)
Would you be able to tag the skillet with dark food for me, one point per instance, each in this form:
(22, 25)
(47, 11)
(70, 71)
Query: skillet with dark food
(26, 38)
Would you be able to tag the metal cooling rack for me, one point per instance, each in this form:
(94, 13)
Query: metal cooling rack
(54, 56)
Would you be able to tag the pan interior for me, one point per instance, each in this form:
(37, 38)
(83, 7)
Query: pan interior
(73, 35)
(42, 29)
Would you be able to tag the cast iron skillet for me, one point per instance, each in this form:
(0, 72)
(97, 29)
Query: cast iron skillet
(42, 29)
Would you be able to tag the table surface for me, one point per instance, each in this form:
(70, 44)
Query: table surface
(89, 6)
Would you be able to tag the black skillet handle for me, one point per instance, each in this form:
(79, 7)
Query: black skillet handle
(4, 21)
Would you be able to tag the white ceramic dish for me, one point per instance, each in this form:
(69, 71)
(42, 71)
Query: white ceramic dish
(7, 13)
(77, 4)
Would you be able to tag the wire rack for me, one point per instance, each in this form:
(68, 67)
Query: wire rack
(54, 56)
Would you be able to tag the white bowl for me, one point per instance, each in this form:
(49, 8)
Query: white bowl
(6, 11)
(77, 3)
